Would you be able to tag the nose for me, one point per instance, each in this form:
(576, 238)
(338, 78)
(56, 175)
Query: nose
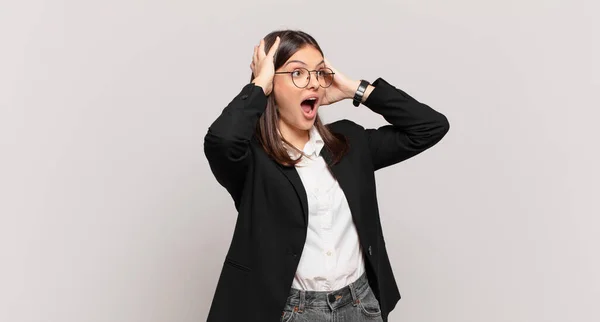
(313, 81)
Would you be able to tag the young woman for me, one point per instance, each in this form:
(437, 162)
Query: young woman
(308, 243)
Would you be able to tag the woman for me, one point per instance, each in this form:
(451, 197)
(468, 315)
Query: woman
(308, 243)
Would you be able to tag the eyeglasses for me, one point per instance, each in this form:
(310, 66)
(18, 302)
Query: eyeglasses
(301, 76)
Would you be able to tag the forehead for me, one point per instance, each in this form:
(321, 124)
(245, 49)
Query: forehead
(307, 56)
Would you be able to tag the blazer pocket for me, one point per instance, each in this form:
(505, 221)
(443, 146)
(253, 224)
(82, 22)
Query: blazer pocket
(237, 265)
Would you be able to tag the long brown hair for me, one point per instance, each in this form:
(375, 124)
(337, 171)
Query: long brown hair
(267, 128)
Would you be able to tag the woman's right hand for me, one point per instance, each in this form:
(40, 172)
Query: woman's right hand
(263, 68)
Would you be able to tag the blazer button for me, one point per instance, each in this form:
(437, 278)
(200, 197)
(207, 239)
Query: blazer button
(370, 251)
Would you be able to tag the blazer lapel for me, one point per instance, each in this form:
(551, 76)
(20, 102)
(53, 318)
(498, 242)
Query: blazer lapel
(343, 172)
(292, 175)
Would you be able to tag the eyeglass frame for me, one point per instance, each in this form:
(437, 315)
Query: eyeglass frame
(309, 76)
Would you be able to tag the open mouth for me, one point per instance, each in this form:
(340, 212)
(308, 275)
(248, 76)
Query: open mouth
(309, 106)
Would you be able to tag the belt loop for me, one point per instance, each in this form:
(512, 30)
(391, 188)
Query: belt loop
(354, 295)
(302, 301)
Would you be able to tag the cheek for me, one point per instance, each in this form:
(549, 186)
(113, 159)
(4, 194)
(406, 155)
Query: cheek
(287, 112)
(288, 101)
(284, 88)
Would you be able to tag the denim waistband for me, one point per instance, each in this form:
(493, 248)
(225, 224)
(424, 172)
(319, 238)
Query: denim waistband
(298, 300)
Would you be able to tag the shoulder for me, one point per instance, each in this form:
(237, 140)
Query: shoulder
(345, 127)
(354, 133)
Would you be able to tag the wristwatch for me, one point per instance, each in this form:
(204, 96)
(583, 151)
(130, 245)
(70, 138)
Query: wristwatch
(358, 96)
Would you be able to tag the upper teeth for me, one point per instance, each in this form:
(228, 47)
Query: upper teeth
(312, 98)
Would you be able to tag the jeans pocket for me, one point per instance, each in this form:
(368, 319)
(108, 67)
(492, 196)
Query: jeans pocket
(369, 305)
(287, 316)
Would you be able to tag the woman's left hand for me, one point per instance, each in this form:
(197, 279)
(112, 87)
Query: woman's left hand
(342, 87)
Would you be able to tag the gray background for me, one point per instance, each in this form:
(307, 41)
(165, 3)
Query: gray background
(109, 211)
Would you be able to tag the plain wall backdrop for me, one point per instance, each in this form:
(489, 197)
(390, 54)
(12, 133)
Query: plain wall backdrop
(109, 211)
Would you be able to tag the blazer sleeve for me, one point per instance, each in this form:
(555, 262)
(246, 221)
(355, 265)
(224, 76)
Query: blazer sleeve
(227, 141)
(414, 127)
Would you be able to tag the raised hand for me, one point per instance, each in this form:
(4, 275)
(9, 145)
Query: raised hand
(262, 66)
(342, 87)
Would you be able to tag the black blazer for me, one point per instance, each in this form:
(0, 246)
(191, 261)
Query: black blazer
(272, 206)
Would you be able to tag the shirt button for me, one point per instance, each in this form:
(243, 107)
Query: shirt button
(329, 253)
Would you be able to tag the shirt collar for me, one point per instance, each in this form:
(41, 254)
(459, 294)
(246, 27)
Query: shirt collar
(315, 143)
(313, 147)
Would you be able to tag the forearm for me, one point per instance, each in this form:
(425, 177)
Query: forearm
(353, 86)
(405, 112)
(238, 119)
(414, 126)
(227, 142)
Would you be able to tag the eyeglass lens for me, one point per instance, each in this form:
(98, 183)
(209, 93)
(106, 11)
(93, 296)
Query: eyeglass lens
(301, 77)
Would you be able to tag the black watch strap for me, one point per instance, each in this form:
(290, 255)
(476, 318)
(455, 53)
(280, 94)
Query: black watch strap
(358, 96)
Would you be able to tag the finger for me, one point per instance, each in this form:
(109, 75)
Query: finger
(335, 71)
(274, 47)
(255, 56)
(261, 49)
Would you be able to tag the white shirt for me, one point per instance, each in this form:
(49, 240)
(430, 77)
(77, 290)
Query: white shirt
(332, 256)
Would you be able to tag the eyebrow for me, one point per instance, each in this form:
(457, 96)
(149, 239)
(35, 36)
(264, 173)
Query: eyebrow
(301, 62)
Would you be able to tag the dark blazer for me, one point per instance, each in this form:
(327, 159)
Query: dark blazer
(272, 206)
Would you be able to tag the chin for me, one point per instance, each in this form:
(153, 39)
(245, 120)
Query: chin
(307, 125)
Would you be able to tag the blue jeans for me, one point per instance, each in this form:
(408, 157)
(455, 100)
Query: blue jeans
(352, 303)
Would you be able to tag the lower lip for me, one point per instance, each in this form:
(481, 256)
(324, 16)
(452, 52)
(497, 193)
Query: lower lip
(313, 112)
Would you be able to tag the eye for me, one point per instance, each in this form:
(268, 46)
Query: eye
(323, 73)
(296, 73)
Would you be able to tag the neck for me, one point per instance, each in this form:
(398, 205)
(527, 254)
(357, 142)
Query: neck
(295, 137)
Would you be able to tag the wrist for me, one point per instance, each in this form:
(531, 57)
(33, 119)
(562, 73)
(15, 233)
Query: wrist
(351, 89)
(362, 92)
(260, 83)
